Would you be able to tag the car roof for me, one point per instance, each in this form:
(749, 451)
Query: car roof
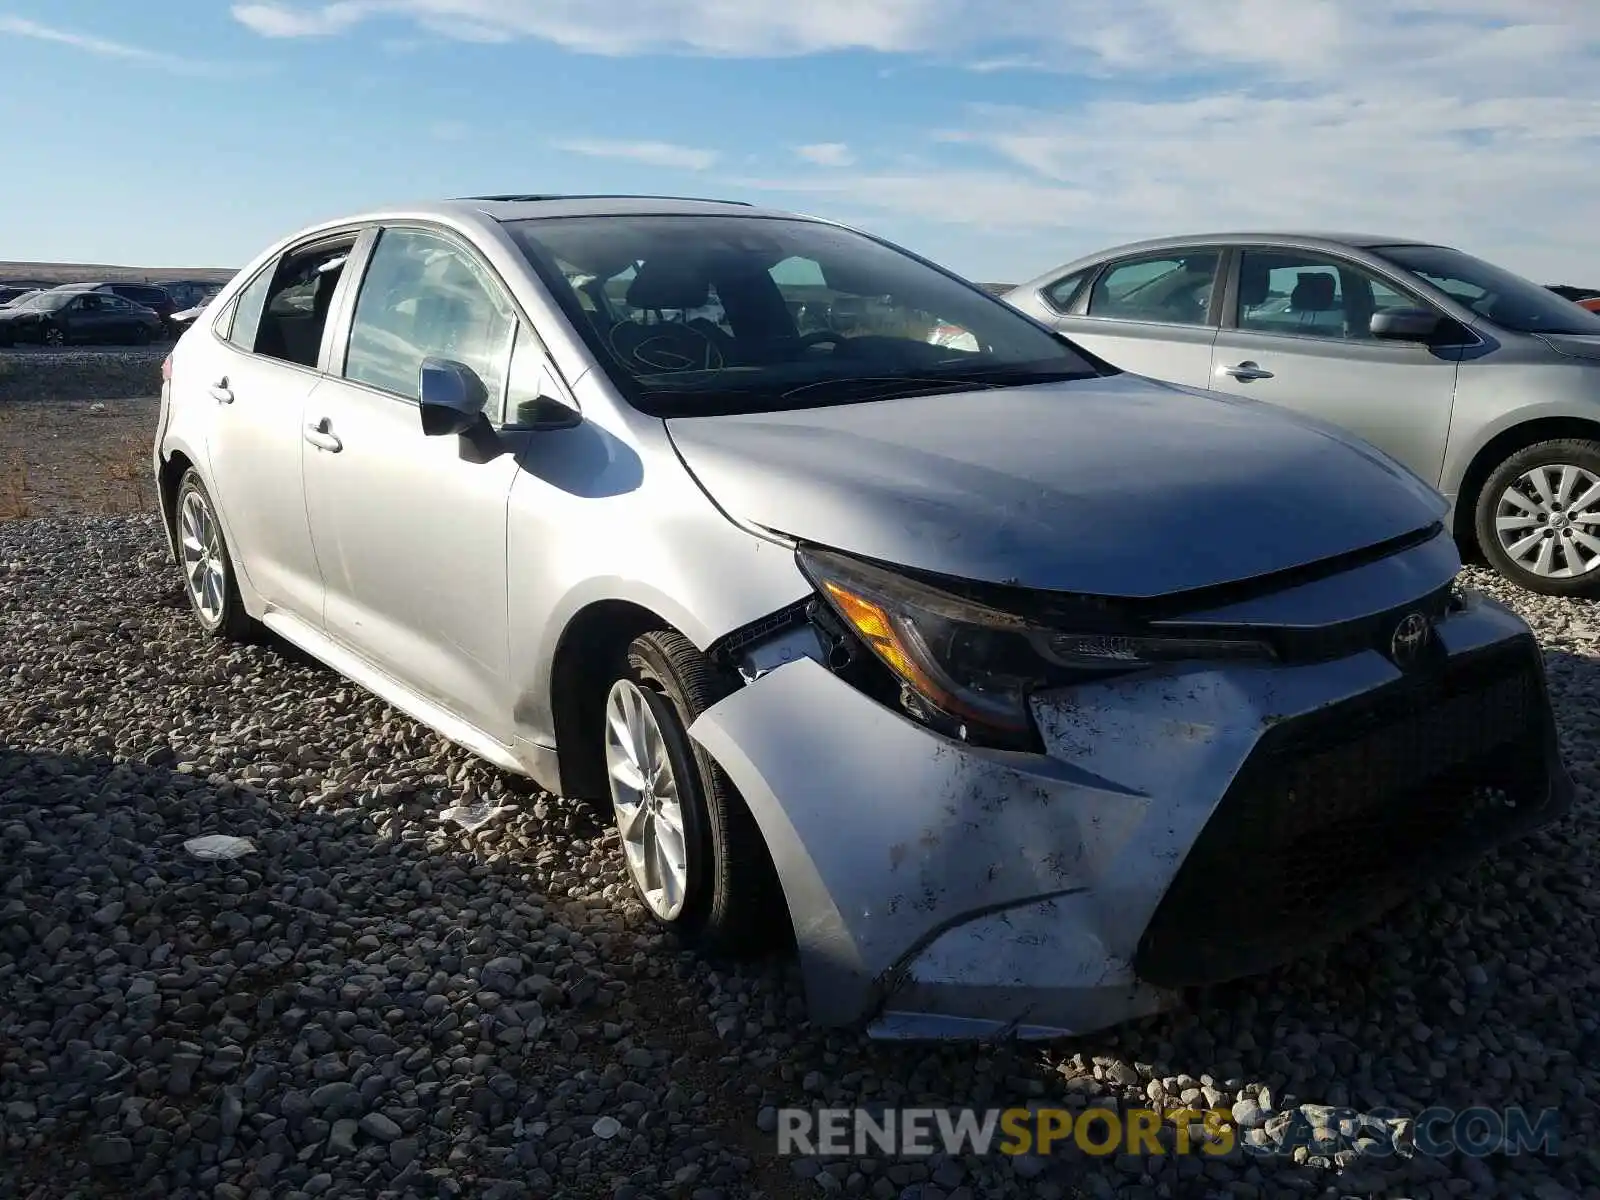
(1306, 239)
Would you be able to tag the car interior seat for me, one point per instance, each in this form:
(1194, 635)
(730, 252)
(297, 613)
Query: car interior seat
(1315, 293)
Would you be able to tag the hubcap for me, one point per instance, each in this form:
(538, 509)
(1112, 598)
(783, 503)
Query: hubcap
(1546, 521)
(204, 568)
(644, 792)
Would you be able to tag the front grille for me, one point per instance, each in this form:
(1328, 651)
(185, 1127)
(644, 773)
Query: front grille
(1336, 817)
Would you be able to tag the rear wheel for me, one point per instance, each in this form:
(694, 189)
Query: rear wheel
(1538, 518)
(693, 850)
(207, 567)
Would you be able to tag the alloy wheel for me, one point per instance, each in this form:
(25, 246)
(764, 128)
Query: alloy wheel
(1548, 521)
(648, 802)
(204, 565)
(54, 337)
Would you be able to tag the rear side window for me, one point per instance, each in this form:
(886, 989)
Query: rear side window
(247, 311)
(1173, 288)
(1063, 292)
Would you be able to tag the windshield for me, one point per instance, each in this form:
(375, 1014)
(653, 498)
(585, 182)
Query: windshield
(45, 301)
(694, 315)
(1495, 294)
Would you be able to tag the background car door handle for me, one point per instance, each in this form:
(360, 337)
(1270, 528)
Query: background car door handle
(1246, 371)
(221, 393)
(321, 436)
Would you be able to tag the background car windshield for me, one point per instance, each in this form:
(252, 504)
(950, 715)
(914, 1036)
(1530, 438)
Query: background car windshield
(1508, 300)
(47, 301)
(703, 314)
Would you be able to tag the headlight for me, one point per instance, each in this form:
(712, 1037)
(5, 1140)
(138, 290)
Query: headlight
(967, 668)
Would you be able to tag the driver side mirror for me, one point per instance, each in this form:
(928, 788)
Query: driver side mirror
(1404, 325)
(451, 396)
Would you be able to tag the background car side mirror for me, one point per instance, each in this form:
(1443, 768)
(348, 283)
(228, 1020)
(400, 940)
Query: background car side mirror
(451, 396)
(1404, 325)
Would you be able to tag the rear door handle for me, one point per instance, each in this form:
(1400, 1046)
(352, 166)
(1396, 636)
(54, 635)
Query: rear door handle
(321, 436)
(220, 391)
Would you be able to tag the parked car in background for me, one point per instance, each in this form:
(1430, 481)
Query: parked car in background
(188, 293)
(10, 292)
(1021, 692)
(145, 295)
(1483, 383)
(77, 313)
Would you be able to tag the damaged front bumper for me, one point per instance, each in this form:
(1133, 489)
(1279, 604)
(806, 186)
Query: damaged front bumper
(1185, 825)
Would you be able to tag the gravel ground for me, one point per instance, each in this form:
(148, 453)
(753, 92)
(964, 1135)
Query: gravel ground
(81, 372)
(375, 1004)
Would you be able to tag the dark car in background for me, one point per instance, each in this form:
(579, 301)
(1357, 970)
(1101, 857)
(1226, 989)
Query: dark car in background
(188, 293)
(13, 291)
(146, 295)
(78, 313)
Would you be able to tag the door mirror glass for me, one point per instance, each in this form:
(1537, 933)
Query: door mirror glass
(451, 396)
(1405, 325)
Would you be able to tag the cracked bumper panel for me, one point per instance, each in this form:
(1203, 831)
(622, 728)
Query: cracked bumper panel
(950, 890)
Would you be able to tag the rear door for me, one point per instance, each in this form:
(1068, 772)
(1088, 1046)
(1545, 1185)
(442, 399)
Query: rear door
(1297, 334)
(1152, 314)
(257, 372)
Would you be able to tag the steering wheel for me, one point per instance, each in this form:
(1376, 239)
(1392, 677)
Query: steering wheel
(818, 337)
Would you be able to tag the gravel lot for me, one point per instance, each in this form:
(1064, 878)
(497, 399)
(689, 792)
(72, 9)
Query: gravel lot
(377, 1004)
(82, 372)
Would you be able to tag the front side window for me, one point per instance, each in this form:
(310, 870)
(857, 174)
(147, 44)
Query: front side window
(1310, 295)
(423, 296)
(702, 314)
(1508, 300)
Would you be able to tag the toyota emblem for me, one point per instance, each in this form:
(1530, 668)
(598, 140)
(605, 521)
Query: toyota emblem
(1410, 639)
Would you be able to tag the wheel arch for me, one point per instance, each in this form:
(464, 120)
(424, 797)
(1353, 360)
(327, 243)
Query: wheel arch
(591, 647)
(1495, 451)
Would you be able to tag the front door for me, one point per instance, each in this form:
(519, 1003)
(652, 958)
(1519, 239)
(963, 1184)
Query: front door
(410, 530)
(1299, 337)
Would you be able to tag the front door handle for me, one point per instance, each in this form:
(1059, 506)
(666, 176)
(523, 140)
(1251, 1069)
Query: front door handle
(320, 435)
(1245, 371)
(220, 392)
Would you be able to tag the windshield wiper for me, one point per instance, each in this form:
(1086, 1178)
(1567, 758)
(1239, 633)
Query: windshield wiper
(885, 387)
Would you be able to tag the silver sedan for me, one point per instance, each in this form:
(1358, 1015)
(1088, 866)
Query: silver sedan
(870, 644)
(1485, 384)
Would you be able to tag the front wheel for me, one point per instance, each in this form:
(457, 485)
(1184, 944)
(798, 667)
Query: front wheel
(1538, 518)
(207, 567)
(54, 335)
(693, 850)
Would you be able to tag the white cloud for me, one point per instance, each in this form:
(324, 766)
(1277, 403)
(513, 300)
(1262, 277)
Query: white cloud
(1473, 121)
(650, 154)
(105, 47)
(284, 21)
(826, 154)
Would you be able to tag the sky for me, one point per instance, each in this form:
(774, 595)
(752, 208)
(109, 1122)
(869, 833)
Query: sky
(1001, 137)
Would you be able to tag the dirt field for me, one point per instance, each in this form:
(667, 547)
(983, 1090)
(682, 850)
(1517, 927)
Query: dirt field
(62, 457)
(48, 272)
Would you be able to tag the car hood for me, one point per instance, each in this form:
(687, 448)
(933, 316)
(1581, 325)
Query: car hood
(1115, 486)
(1573, 345)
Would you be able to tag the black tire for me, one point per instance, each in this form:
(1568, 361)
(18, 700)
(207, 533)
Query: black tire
(233, 624)
(1575, 452)
(141, 335)
(53, 335)
(733, 902)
